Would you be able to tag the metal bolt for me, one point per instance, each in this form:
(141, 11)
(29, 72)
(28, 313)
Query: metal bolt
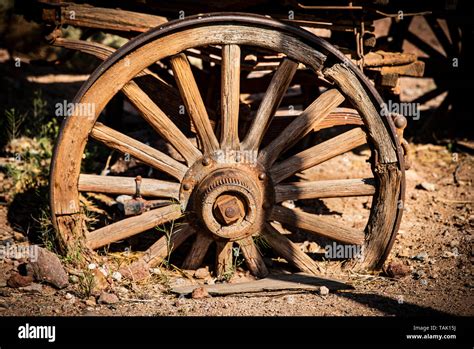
(262, 176)
(400, 122)
(186, 186)
(230, 212)
(206, 161)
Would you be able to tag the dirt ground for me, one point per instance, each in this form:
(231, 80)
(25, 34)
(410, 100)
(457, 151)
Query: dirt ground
(435, 241)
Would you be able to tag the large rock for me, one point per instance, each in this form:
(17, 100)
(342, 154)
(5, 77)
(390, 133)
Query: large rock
(48, 268)
(16, 280)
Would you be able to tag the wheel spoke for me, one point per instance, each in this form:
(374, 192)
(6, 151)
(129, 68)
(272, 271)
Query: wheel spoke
(325, 189)
(302, 125)
(127, 145)
(426, 48)
(253, 259)
(230, 96)
(340, 116)
(165, 245)
(318, 225)
(440, 35)
(127, 185)
(318, 154)
(193, 102)
(288, 250)
(223, 258)
(275, 92)
(198, 251)
(132, 226)
(161, 123)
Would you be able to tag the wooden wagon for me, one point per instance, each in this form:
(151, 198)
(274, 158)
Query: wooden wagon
(241, 110)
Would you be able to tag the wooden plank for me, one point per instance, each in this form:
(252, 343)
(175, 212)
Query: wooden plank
(302, 125)
(127, 145)
(273, 96)
(280, 282)
(198, 251)
(325, 189)
(318, 154)
(288, 250)
(161, 123)
(132, 226)
(252, 256)
(103, 18)
(377, 128)
(318, 225)
(126, 185)
(230, 97)
(193, 102)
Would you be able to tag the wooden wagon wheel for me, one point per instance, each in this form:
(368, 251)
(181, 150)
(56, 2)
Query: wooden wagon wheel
(229, 190)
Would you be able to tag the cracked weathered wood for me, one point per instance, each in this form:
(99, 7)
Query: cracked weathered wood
(318, 154)
(253, 259)
(280, 282)
(302, 125)
(350, 86)
(127, 185)
(127, 145)
(198, 251)
(324, 189)
(268, 106)
(316, 224)
(273, 234)
(230, 97)
(131, 226)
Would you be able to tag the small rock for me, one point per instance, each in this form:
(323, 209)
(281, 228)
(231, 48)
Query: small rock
(136, 271)
(180, 301)
(426, 186)
(448, 254)
(33, 288)
(422, 256)
(121, 291)
(73, 279)
(48, 268)
(90, 301)
(100, 282)
(16, 280)
(397, 270)
(290, 299)
(199, 293)
(108, 298)
(289, 204)
(418, 274)
(454, 243)
(92, 266)
(424, 282)
(117, 276)
(434, 275)
(202, 273)
(19, 236)
(69, 296)
(323, 291)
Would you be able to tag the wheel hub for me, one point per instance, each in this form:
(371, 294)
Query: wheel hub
(228, 203)
(227, 195)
